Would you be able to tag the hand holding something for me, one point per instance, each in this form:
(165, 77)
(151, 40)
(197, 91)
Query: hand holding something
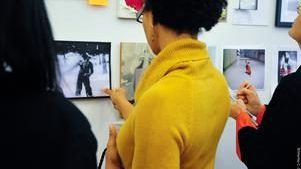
(237, 108)
(113, 160)
(248, 94)
(245, 85)
(117, 96)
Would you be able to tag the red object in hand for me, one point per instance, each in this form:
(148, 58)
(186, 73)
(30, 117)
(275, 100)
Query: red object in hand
(136, 4)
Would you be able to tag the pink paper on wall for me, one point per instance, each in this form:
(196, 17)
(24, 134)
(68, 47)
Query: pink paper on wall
(136, 4)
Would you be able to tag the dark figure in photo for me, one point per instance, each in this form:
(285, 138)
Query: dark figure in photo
(104, 64)
(287, 64)
(248, 68)
(86, 70)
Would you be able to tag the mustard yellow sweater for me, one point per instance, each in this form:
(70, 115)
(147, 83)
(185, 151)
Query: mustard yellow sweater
(181, 110)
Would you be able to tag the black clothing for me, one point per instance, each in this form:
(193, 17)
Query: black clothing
(45, 131)
(86, 70)
(277, 142)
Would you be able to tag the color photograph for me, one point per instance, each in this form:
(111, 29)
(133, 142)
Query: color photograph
(134, 58)
(241, 65)
(127, 9)
(287, 63)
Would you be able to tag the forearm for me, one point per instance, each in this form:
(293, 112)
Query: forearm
(125, 108)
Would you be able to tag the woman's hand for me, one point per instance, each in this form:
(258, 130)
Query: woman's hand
(117, 96)
(120, 102)
(113, 160)
(237, 108)
(248, 94)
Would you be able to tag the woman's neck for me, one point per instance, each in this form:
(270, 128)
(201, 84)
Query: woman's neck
(167, 36)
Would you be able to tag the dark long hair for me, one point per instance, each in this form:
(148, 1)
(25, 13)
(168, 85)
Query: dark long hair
(27, 60)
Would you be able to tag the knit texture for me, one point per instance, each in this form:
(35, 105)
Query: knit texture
(182, 105)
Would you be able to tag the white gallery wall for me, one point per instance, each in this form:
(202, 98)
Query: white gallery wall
(76, 20)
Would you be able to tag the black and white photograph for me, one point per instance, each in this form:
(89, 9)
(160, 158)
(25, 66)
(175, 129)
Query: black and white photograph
(251, 12)
(287, 63)
(248, 4)
(286, 12)
(241, 65)
(84, 68)
(134, 59)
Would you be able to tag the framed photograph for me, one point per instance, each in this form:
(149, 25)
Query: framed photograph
(84, 67)
(127, 9)
(248, 4)
(134, 58)
(244, 64)
(286, 12)
(224, 14)
(287, 63)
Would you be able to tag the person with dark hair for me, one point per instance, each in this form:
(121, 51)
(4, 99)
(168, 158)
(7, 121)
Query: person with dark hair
(40, 128)
(176, 121)
(272, 141)
(85, 71)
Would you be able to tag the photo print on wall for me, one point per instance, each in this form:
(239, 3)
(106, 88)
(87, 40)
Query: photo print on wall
(134, 58)
(251, 12)
(224, 14)
(84, 68)
(241, 65)
(248, 4)
(287, 63)
(127, 9)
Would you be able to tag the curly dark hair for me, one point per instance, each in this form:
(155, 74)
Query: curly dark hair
(186, 16)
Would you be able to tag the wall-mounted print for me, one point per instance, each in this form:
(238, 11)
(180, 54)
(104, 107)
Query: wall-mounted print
(134, 58)
(248, 4)
(223, 17)
(251, 12)
(84, 67)
(245, 64)
(286, 12)
(127, 9)
(287, 63)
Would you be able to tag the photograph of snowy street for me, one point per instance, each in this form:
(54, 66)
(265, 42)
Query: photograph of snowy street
(84, 68)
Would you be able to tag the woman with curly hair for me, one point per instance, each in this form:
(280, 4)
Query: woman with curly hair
(182, 101)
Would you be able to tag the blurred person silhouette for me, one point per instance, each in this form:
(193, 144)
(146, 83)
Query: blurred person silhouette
(40, 128)
(272, 141)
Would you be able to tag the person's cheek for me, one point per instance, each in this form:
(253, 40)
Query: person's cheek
(295, 31)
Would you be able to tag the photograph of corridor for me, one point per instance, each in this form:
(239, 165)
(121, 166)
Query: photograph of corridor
(241, 65)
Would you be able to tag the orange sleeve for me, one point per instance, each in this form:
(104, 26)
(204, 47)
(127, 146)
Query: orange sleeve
(242, 120)
(260, 114)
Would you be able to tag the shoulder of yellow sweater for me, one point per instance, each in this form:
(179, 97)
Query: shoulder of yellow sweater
(169, 94)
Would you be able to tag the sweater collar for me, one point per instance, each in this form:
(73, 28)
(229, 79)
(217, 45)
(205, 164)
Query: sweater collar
(182, 50)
